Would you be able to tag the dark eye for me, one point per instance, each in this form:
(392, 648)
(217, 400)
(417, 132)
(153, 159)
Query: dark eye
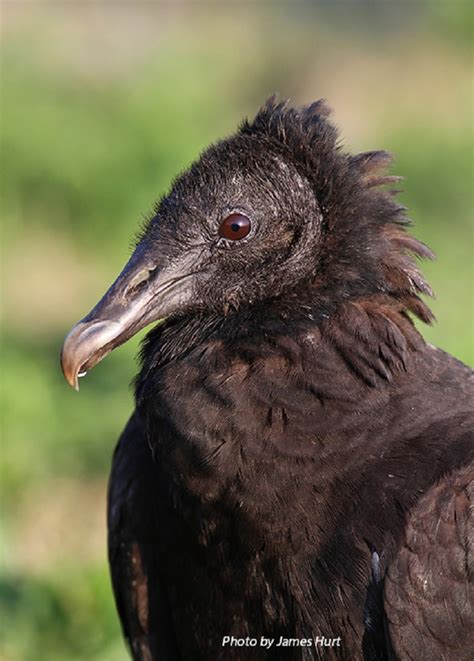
(234, 227)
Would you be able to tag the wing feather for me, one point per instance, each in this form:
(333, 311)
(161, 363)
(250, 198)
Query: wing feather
(429, 592)
(138, 587)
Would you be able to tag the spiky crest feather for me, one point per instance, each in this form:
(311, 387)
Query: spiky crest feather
(365, 233)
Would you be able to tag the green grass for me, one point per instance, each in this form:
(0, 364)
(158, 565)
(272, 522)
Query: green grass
(65, 614)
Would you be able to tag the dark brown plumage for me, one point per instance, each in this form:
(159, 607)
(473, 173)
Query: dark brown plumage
(300, 461)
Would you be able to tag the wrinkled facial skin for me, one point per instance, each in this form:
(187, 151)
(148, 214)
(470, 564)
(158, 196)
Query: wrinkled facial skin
(277, 252)
(182, 265)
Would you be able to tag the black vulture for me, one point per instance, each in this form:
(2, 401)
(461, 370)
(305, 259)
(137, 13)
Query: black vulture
(296, 481)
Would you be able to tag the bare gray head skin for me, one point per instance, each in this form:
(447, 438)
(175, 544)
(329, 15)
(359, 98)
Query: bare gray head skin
(317, 231)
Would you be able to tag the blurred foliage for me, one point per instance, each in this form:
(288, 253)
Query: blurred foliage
(100, 109)
(453, 21)
(63, 615)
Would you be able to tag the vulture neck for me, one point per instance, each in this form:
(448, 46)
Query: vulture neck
(372, 335)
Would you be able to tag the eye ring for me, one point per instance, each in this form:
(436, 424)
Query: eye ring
(235, 227)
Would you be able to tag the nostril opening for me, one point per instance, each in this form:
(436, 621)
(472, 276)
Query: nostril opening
(140, 280)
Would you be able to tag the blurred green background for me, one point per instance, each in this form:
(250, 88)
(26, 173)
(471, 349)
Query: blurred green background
(102, 104)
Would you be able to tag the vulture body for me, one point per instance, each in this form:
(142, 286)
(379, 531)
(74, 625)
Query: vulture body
(300, 463)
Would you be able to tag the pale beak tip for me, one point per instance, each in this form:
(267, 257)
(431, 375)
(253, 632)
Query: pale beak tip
(73, 380)
(70, 374)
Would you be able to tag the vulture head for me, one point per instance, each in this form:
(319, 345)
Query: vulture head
(278, 212)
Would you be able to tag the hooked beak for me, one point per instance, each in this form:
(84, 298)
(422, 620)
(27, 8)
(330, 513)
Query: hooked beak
(144, 292)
